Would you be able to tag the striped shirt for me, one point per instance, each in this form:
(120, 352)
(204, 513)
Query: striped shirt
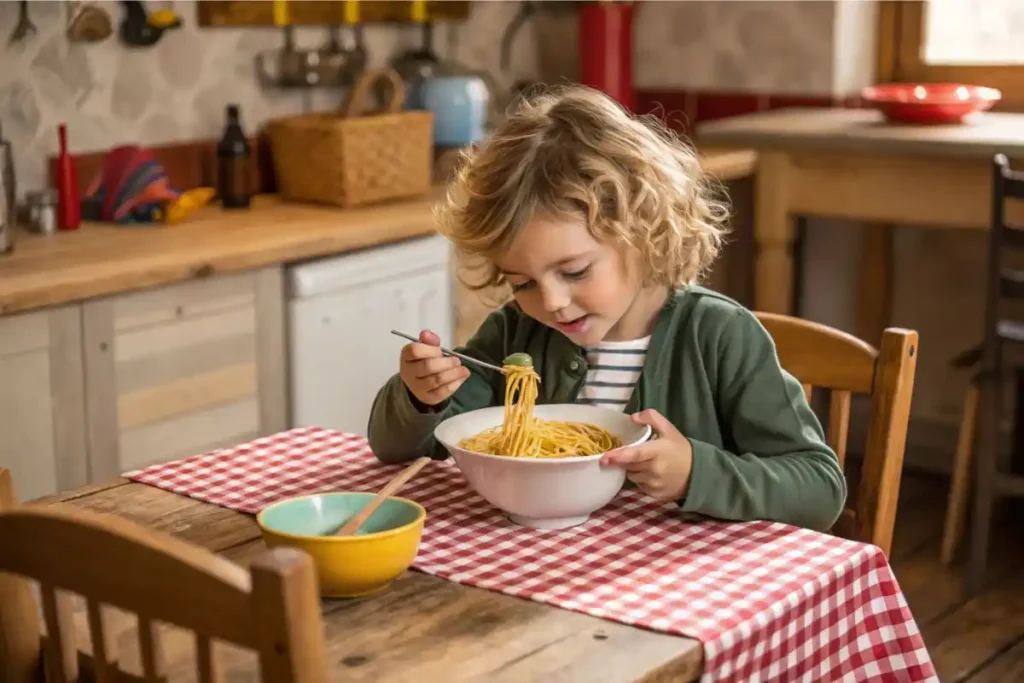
(614, 369)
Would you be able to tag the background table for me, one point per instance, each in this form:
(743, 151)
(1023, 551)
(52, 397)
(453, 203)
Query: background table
(851, 164)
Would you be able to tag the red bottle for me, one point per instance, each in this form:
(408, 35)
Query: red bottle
(69, 210)
(606, 49)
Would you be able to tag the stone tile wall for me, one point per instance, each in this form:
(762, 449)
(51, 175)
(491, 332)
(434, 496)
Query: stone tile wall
(110, 94)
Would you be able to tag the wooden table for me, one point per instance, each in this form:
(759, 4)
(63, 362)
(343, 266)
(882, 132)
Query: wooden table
(422, 628)
(849, 163)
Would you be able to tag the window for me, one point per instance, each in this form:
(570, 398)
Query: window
(967, 41)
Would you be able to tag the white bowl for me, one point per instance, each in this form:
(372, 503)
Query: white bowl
(543, 493)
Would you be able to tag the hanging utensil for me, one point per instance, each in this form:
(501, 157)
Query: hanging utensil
(24, 28)
(418, 64)
(358, 40)
(357, 33)
(287, 67)
(341, 62)
(401, 479)
(140, 29)
(87, 23)
(526, 10)
(331, 59)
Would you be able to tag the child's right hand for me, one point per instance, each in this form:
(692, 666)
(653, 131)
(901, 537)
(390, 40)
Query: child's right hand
(430, 376)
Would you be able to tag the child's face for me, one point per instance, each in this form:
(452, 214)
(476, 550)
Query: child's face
(563, 277)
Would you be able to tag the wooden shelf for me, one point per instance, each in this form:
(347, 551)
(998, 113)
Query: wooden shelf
(214, 13)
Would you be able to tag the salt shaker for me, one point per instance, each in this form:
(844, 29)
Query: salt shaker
(42, 211)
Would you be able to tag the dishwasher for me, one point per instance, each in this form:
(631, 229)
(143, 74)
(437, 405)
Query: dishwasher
(341, 311)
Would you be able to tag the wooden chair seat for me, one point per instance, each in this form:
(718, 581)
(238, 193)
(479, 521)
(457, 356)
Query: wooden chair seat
(822, 357)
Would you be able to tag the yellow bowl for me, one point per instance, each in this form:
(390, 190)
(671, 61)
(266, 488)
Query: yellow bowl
(347, 567)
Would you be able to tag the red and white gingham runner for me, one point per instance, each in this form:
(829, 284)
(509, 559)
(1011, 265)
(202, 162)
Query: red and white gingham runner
(768, 601)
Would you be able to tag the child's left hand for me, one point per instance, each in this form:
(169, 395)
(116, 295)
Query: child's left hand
(660, 466)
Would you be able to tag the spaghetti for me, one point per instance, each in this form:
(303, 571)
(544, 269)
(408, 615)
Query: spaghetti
(521, 435)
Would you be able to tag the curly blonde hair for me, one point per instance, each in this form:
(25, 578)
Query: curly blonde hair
(575, 151)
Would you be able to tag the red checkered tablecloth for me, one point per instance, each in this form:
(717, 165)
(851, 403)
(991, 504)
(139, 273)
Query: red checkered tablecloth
(769, 602)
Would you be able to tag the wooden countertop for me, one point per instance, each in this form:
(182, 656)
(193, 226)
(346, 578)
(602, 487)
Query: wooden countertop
(864, 130)
(99, 259)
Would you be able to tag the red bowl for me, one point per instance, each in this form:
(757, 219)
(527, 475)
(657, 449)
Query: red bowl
(931, 103)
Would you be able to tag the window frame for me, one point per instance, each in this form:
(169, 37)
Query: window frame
(900, 58)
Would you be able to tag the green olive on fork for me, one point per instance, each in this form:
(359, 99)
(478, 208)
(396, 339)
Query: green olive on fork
(520, 359)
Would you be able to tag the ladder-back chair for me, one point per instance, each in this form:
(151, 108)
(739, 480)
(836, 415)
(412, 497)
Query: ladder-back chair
(983, 403)
(822, 357)
(272, 609)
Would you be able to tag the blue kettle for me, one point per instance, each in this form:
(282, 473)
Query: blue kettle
(460, 103)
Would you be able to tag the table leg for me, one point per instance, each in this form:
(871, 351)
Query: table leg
(798, 251)
(874, 305)
(985, 471)
(773, 236)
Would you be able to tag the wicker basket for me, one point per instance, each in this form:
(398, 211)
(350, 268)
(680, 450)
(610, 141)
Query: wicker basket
(355, 158)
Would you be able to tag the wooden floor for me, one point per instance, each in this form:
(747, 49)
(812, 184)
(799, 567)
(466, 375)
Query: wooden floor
(975, 641)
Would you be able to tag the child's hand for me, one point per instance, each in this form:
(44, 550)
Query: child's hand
(660, 466)
(430, 376)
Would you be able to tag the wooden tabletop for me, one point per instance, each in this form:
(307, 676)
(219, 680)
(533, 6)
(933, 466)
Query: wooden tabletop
(864, 130)
(102, 259)
(421, 629)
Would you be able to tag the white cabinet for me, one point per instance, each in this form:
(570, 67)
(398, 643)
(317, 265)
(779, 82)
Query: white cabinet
(179, 370)
(90, 390)
(42, 409)
(341, 312)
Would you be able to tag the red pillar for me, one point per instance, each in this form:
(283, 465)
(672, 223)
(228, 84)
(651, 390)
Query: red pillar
(606, 49)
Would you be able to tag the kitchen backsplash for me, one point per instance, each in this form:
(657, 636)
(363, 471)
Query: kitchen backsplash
(110, 94)
(780, 47)
(177, 90)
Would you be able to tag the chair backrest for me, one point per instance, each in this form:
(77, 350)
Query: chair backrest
(822, 357)
(1004, 282)
(273, 609)
(20, 647)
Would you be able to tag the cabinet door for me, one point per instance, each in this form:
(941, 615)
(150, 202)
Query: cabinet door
(342, 348)
(42, 410)
(180, 370)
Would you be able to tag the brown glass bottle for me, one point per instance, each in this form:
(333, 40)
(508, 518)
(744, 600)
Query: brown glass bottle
(233, 155)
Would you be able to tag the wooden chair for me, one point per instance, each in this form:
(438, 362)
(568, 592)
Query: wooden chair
(983, 403)
(19, 625)
(273, 609)
(822, 357)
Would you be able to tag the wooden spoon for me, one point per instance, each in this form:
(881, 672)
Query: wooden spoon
(356, 521)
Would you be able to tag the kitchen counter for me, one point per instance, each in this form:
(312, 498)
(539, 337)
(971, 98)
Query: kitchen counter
(99, 260)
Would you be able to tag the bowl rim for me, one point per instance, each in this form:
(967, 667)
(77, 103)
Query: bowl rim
(891, 93)
(421, 515)
(547, 461)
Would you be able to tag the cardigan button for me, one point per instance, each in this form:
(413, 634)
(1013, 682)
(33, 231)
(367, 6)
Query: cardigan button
(574, 366)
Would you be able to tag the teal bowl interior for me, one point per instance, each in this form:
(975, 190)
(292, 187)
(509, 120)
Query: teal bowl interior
(322, 514)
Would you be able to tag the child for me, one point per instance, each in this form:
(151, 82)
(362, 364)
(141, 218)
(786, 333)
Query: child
(600, 225)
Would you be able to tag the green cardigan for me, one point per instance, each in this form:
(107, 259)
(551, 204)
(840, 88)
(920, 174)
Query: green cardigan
(711, 369)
